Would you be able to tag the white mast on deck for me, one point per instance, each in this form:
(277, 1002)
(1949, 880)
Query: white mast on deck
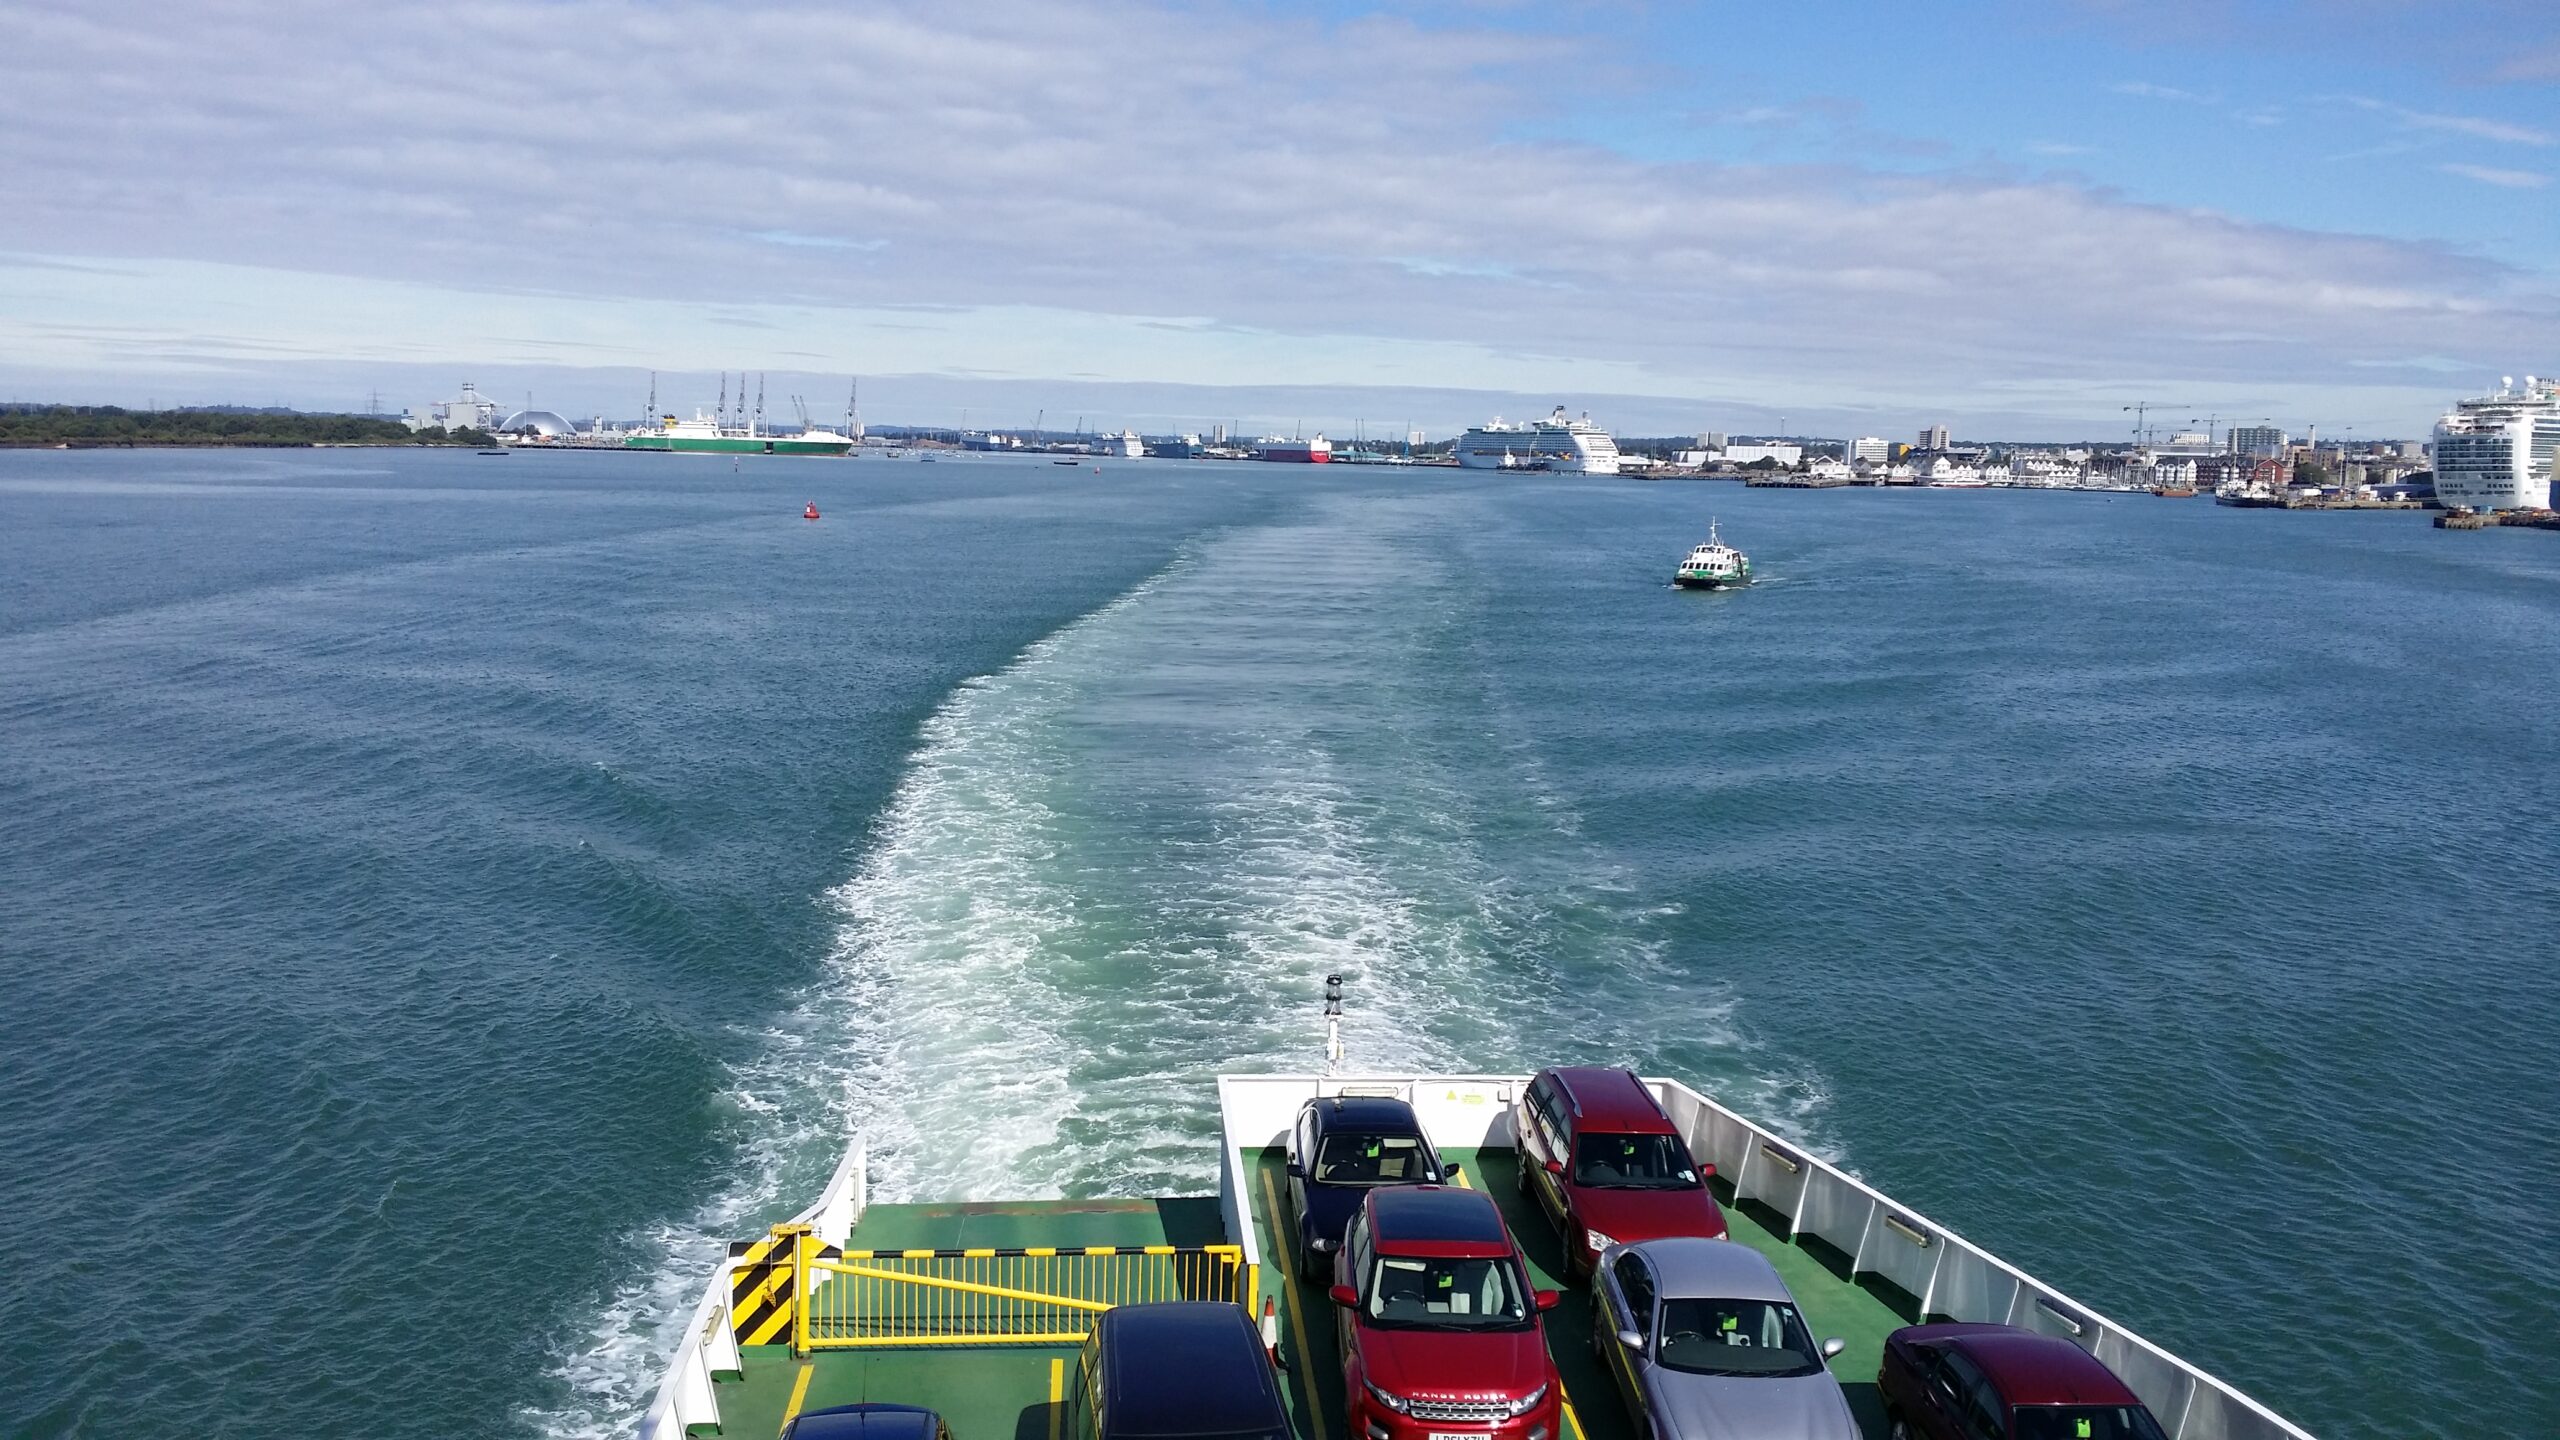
(1332, 1024)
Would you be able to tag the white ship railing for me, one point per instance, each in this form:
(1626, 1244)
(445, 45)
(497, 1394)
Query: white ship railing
(710, 1344)
(1949, 1275)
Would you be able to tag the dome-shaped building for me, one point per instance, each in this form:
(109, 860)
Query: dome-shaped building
(545, 424)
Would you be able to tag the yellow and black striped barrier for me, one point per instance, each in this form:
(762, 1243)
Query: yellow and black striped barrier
(764, 1288)
(1038, 1295)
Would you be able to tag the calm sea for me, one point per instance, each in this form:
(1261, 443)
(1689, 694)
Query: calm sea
(445, 897)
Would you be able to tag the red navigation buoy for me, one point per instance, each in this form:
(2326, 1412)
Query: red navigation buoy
(811, 513)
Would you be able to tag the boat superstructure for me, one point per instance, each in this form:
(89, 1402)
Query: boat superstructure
(976, 1309)
(1555, 443)
(1713, 565)
(2500, 451)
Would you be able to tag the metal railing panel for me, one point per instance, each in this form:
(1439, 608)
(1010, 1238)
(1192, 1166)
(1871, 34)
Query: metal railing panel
(895, 1299)
(1834, 1211)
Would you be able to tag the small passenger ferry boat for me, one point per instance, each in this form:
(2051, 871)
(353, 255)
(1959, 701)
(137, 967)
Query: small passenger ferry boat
(1713, 566)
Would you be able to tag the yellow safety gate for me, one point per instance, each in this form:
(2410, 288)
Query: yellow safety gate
(1038, 1296)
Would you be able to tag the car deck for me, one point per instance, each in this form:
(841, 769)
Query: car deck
(1008, 1392)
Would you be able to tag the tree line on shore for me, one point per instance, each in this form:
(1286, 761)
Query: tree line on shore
(85, 426)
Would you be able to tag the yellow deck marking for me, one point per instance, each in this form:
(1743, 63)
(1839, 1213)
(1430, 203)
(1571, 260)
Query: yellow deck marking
(799, 1392)
(1057, 1394)
(1458, 1177)
(1286, 1254)
(1571, 1420)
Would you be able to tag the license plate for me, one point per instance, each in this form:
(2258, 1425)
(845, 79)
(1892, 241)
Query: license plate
(1453, 1435)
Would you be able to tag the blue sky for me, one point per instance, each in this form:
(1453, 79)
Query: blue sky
(2012, 217)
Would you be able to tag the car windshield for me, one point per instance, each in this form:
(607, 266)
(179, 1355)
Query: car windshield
(1735, 1337)
(1437, 1294)
(2086, 1422)
(1372, 1160)
(1633, 1162)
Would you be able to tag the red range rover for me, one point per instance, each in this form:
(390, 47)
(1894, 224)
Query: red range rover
(1604, 1162)
(1996, 1382)
(1440, 1330)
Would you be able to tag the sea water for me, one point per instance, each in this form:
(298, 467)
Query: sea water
(446, 897)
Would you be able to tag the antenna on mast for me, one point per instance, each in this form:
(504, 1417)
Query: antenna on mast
(1332, 1024)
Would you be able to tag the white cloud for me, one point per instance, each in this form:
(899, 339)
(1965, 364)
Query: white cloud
(824, 172)
(2144, 89)
(2475, 126)
(2505, 179)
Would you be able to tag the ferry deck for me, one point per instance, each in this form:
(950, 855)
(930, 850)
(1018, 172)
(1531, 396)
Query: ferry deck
(1859, 1266)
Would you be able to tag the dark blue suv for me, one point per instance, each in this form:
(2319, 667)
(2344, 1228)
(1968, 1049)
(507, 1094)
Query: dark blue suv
(1193, 1369)
(1342, 1147)
(868, 1422)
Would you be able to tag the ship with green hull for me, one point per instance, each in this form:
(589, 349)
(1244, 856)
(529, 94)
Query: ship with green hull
(704, 436)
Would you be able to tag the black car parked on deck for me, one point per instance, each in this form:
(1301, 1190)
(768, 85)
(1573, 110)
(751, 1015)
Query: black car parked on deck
(1341, 1148)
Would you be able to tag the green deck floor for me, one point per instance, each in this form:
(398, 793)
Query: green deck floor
(1002, 1393)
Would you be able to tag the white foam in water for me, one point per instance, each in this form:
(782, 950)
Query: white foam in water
(1125, 863)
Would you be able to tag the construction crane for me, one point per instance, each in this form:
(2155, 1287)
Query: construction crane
(2141, 410)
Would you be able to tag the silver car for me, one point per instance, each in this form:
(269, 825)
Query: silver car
(1705, 1342)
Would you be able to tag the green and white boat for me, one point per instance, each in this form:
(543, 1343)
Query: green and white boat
(1713, 566)
(703, 435)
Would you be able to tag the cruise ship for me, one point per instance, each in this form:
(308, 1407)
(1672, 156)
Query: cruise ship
(1555, 443)
(1124, 446)
(2501, 451)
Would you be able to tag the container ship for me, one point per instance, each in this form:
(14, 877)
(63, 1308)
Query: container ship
(1001, 1317)
(1555, 443)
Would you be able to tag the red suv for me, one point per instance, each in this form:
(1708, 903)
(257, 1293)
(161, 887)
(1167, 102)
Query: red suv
(1997, 1382)
(1440, 1330)
(1604, 1162)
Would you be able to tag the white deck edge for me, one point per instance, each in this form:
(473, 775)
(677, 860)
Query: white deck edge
(686, 1396)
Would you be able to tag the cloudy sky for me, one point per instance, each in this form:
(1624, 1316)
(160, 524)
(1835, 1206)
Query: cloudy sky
(2017, 217)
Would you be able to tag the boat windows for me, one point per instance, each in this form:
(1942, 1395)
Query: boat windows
(1735, 1337)
(1633, 1162)
(1372, 1160)
(1444, 1294)
(2086, 1422)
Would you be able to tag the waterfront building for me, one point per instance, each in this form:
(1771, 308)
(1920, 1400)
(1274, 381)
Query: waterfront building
(470, 410)
(1711, 440)
(2258, 440)
(1870, 447)
(1787, 455)
(2500, 451)
(1933, 438)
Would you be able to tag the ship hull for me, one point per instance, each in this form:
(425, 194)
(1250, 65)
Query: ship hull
(1710, 582)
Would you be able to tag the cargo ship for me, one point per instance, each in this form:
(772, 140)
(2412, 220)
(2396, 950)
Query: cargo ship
(981, 1311)
(703, 435)
(1317, 451)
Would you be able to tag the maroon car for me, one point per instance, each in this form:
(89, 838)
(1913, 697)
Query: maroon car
(1997, 1382)
(1440, 1330)
(1604, 1162)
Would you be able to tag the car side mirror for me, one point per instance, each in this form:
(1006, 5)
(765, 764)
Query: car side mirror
(1631, 1339)
(1707, 1170)
(1344, 1295)
(1549, 1299)
(1454, 1172)
(1297, 1171)
(1555, 1167)
(1833, 1346)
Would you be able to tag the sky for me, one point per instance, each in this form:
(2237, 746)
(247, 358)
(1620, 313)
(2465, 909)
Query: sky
(2015, 218)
